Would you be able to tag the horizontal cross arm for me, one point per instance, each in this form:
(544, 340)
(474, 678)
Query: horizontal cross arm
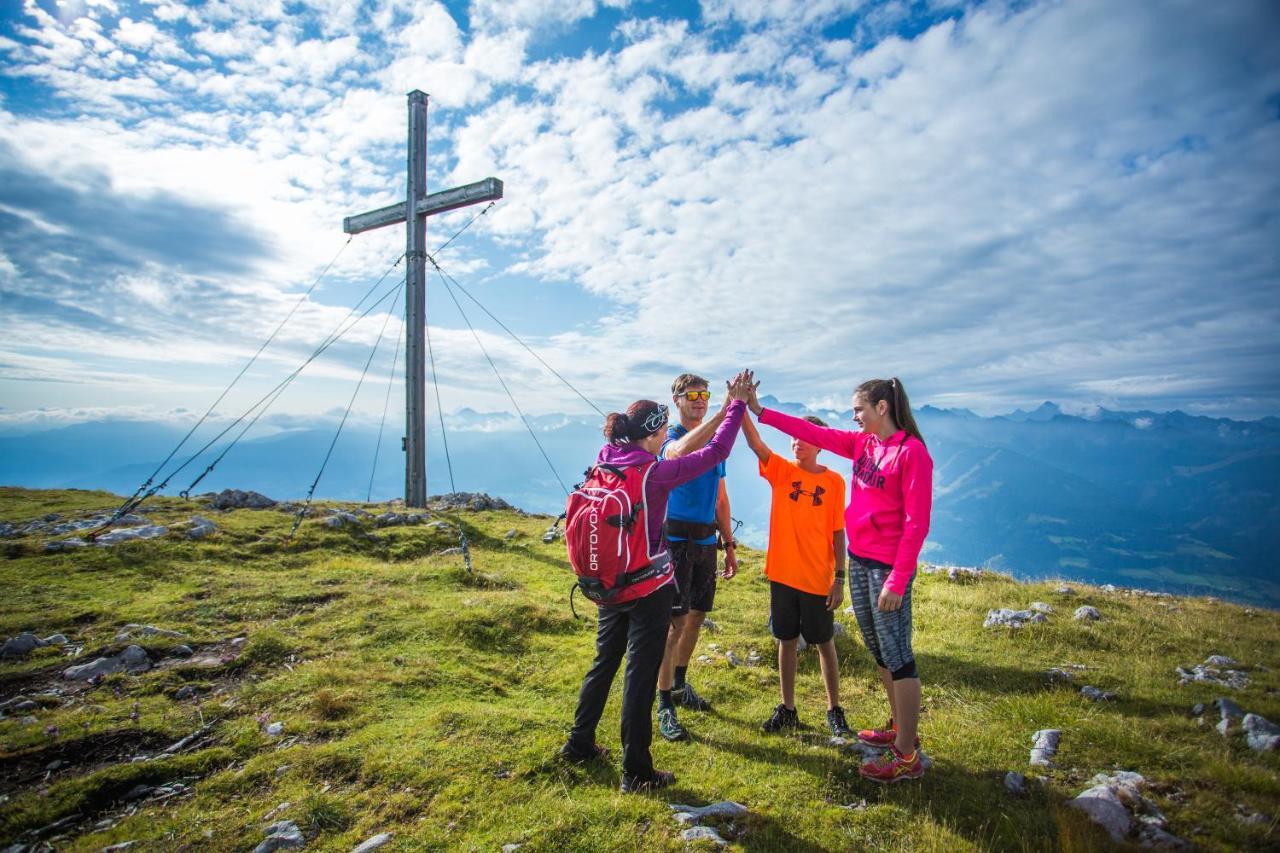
(490, 189)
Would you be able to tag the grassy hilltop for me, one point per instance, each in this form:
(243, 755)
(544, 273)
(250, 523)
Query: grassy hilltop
(419, 700)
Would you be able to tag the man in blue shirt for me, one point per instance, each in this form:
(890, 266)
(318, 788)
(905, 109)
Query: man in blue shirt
(696, 511)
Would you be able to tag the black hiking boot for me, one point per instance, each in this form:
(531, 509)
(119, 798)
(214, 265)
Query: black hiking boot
(782, 719)
(686, 697)
(837, 724)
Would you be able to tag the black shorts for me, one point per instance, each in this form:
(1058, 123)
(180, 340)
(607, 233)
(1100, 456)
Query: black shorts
(695, 570)
(794, 613)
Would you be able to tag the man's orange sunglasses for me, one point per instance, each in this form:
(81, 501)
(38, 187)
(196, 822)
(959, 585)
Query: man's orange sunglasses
(697, 395)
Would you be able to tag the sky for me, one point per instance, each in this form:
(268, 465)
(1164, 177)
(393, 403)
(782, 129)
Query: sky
(1000, 203)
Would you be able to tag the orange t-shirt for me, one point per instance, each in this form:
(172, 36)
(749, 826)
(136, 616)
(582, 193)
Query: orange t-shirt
(807, 510)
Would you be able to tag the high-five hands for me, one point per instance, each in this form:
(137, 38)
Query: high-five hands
(742, 387)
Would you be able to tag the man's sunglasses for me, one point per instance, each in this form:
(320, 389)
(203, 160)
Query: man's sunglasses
(697, 395)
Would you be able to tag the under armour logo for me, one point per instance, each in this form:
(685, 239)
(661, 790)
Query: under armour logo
(816, 494)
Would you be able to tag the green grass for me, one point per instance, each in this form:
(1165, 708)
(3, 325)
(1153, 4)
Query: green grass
(424, 701)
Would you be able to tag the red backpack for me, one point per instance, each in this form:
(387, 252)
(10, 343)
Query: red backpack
(607, 533)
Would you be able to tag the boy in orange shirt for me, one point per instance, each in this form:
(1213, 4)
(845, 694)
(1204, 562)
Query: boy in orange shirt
(805, 566)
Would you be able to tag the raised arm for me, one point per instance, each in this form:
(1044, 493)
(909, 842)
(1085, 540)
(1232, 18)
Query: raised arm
(673, 472)
(842, 442)
(696, 438)
(755, 442)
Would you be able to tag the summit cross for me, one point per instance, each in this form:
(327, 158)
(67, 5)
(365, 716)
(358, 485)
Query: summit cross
(413, 211)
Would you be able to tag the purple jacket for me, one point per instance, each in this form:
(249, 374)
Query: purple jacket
(669, 473)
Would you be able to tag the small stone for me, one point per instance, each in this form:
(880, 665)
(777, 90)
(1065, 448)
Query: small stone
(187, 691)
(55, 640)
(371, 844)
(511, 534)
(28, 721)
(200, 527)
(1003, 617)
(703, 833)
(1041, 607)
(732, 658)
(183, 651)
(1097, 695)
(1103, 805)
(1220, 661)
(1086, 614)
(21, 645)
(1107, 587)
(1262, 734)
(123, 845)
(56, 764)
(511, 848)
(275, 729)
(1015, 783)
(138, 792)
(282, 769)
(754, 658)
(704, 659)
(27, 705)
(1044, 747)
(838, 629)
(239, 642)
(1197, 709)
(236, 499)
(726, 809)
(281, 835)
(709, 625)
(1060, 676)
(1065, 590)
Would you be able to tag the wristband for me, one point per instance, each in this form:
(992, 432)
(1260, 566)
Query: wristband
(839, 576)
(725, 546)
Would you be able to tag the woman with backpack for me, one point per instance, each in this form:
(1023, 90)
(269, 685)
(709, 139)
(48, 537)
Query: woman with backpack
(633, 617)
(886, 523)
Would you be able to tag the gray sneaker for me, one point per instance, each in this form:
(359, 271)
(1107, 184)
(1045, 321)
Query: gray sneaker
(687, 697)
(669, 727)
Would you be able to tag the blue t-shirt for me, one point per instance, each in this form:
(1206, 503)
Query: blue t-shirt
(696, 499)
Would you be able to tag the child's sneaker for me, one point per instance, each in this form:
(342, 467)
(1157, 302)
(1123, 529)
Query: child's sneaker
(782, 719)
(836, 722)
(879, 737)
(687, 697)
(669, 727)
(893, 766)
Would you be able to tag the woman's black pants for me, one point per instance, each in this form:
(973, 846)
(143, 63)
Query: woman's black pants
(638, 629)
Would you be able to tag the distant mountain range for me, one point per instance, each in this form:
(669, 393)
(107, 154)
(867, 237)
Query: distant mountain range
(1163, 500)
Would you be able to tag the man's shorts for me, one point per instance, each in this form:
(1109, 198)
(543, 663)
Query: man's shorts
(695, 570)
(795, 613)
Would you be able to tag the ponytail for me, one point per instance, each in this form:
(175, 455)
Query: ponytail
(617, 426)
(891, 391)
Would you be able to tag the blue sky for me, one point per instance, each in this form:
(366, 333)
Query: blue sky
(1000, 203)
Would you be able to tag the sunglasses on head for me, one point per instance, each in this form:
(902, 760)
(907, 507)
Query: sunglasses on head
(697, 395)
(655, 419)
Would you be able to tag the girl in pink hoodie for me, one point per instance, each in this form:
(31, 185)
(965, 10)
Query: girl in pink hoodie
(886, 522)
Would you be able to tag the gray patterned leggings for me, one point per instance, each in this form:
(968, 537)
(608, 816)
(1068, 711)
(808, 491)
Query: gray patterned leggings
(887, 634)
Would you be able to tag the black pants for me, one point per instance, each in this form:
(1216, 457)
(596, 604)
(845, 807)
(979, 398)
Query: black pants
(639, 629)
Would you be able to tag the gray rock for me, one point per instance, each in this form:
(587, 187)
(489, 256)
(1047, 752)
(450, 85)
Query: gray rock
(449, 552)
(732, 658)
(511, 848)
(21, 645)
(114, 848)
(182, 651)
(467, 500)
(1044, 745)
(65, 545)
(1197, 709)
(275, 729)
(1263, 735)
(1015, 783)
(186, 691)
(754, 658)
(1041, 607)
(55, 640)
(1065, 590)
(703, 833)
(838, 629)
(1097, 695)
(1086, 614)
(710, 626)
(281, 835)
(511, 534)
(1006, 618)
(1060, 676)
(28, 721)
(1232, 678)
(236, 499)
(1108, 587)
(132, 659)
(1159, 838)
(238, 642)
(371, 844)
(338, 518)
(27, 705)
(200, 527)
(126, 534)
(1220, 661)
(724, 809)
(1103, 805)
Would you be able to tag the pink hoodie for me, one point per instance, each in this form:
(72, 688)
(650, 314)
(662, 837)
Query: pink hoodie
(888, 514)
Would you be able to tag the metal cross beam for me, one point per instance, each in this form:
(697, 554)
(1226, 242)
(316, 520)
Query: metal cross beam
(415, 305)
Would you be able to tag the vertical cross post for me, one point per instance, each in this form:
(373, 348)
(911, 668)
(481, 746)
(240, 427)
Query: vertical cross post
(415, 306)
(413, 211)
